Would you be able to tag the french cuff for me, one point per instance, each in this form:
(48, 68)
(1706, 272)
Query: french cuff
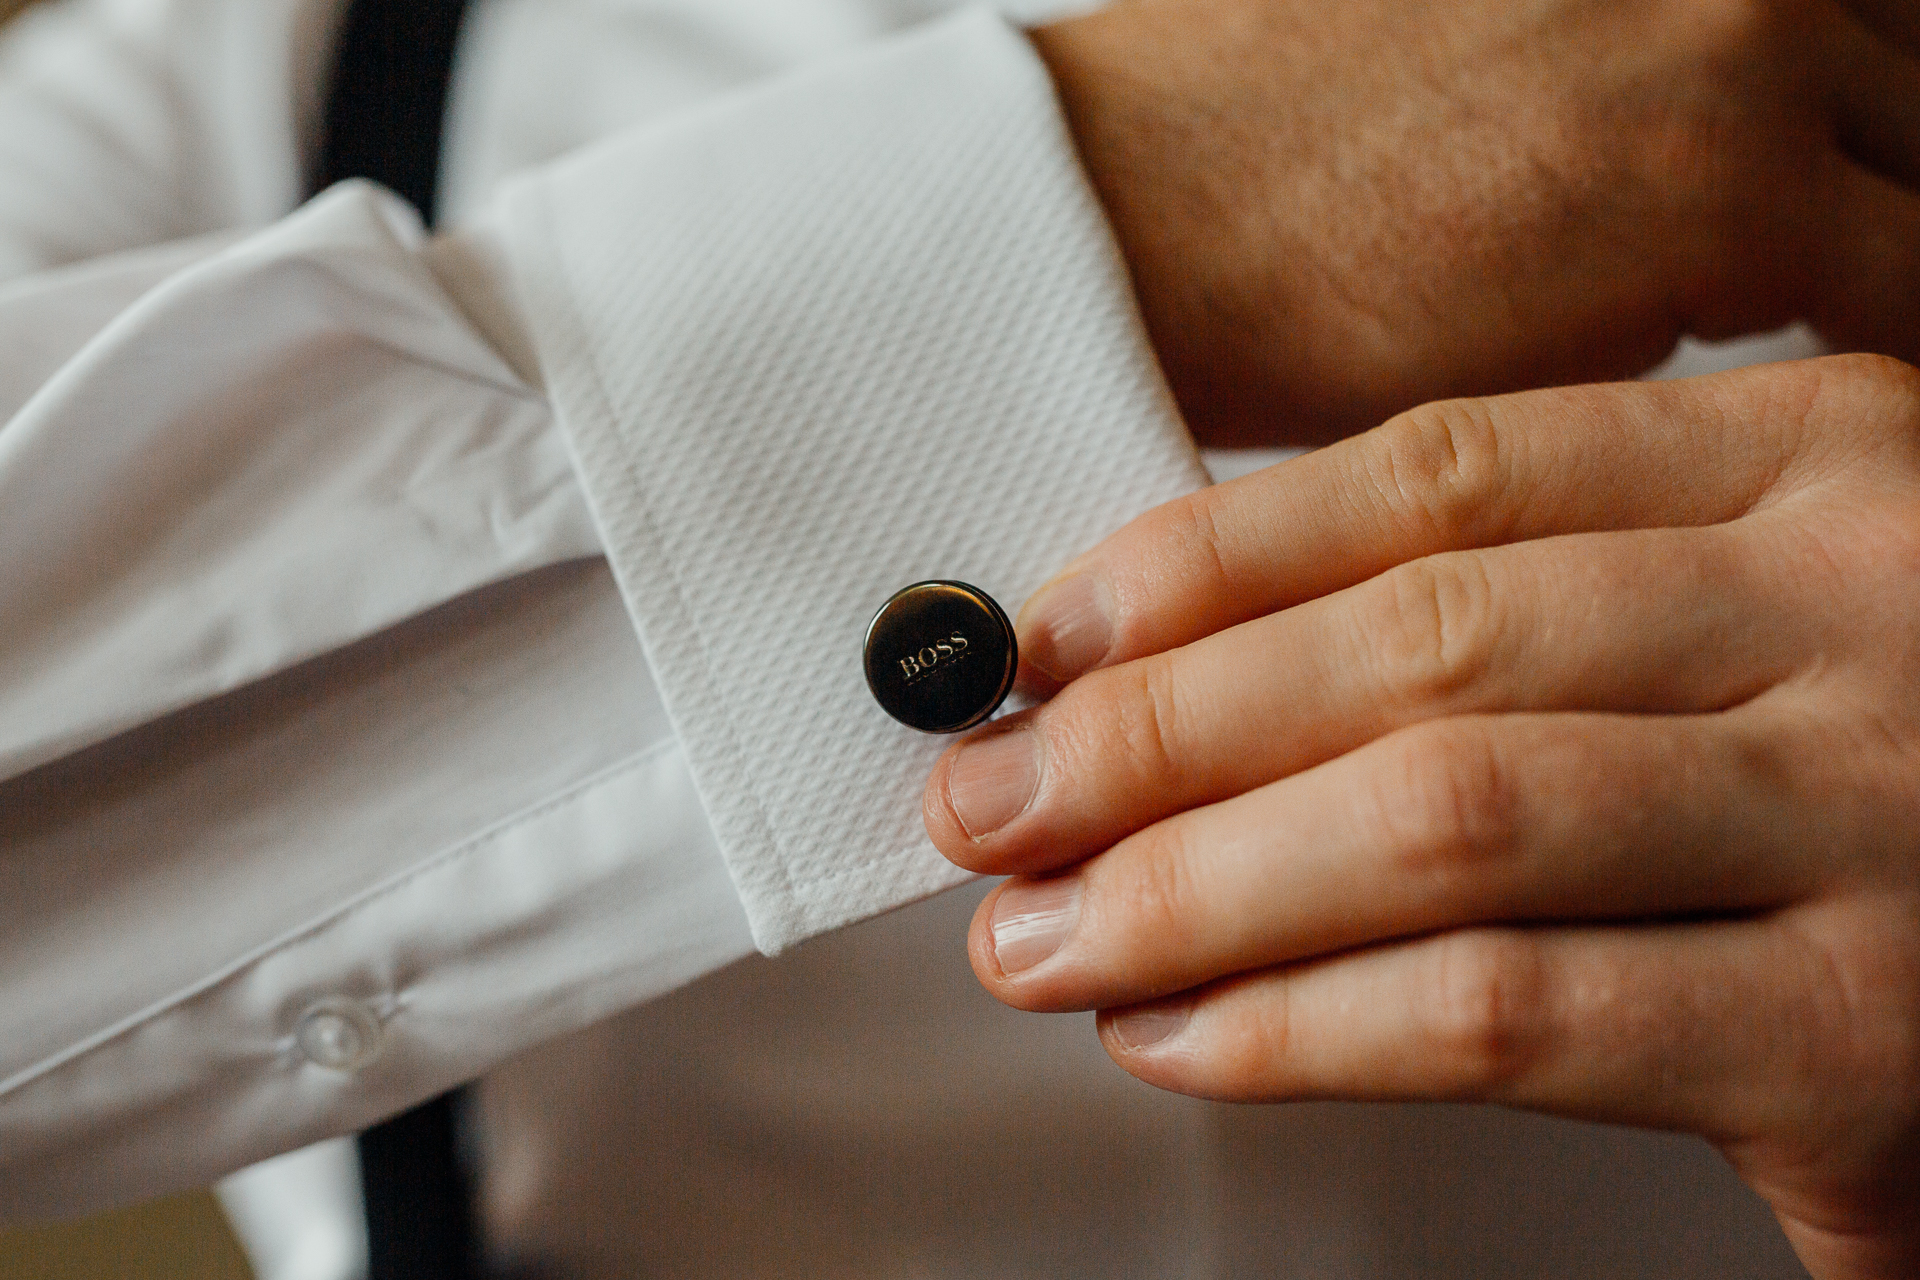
(861, 327)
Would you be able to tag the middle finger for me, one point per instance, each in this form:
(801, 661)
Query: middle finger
(1669, 620)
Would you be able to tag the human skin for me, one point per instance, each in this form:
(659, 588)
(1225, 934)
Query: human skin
(1559, 750)
(1333, 212)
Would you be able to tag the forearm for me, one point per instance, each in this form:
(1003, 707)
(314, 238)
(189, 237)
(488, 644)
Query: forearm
(1332, 214)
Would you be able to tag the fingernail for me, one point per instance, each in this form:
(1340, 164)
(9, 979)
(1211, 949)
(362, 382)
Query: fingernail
(1069, 626)
(1031, 919)
(1153, 1024)
(992, 781)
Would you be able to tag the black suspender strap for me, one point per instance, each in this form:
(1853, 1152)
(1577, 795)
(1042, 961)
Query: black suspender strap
(419, 1202)
(385, 108)
(392, 67)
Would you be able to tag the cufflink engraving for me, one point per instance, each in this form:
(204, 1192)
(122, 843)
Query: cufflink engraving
(940, 656)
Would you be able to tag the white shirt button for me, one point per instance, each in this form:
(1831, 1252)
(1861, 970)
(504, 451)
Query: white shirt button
(339, 1034)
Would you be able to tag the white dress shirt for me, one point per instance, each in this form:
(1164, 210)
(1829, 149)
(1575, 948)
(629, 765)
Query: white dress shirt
(417, 650)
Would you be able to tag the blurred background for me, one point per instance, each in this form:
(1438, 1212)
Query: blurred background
(178, 1238)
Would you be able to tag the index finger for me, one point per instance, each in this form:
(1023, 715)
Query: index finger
(1449, 476)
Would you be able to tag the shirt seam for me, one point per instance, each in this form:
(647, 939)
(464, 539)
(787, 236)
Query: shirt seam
(641, 508)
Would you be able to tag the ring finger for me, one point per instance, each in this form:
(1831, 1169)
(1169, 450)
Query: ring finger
(1459, 822)
(1654, 1026)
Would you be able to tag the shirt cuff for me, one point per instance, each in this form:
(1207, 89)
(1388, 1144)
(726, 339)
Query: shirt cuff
(862, 327)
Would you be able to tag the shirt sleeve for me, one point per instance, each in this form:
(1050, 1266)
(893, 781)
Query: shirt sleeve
(133, 122)
(330, 770)
(859, 329)
(335, 770)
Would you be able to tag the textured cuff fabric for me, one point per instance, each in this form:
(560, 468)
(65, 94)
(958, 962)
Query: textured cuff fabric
(859, 328)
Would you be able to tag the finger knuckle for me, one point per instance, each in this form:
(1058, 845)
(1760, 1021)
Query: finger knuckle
(1260, 1055)
(1485, 1018)
(1431, 628)
(1854, 976)
(1452, 807)
(1438, 466)
(1155, 894)
(1846, 412)
(1128, 718)
(1192, 526)
(1862, 380)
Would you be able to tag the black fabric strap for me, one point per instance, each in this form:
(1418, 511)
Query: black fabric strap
(386, 105)
(392, 67)
(419, 1203)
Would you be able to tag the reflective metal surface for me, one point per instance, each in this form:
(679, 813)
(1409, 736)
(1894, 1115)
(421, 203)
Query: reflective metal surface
(940, 656)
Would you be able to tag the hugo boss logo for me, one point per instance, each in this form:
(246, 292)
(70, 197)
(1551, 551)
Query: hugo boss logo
(940, 656)
(929, 658)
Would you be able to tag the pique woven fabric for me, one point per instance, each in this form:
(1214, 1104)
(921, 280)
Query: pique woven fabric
(864, 327)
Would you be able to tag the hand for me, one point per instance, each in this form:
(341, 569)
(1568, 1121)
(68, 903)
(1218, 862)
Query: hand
(1334, 212)
(1559, 750)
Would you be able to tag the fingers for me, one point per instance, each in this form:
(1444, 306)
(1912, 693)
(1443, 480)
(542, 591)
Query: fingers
(1456, 822)
(1649, 620)
(1448, 476)
(1700, 1027)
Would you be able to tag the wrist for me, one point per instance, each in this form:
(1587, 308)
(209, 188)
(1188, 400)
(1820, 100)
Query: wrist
(1149, 108)
(1119, 120)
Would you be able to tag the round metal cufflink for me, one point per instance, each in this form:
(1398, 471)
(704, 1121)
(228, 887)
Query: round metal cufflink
(940, 656)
